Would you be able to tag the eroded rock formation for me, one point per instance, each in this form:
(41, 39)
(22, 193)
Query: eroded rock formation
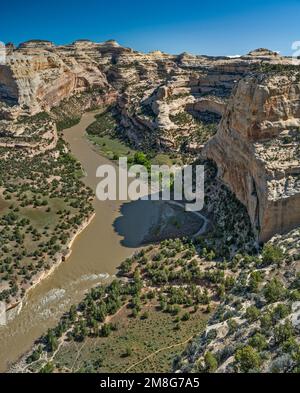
(170, 102)
(257, 150)
(152, 89)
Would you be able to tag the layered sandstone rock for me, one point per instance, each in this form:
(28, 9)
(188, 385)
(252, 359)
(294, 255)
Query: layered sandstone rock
(257, 150)
(152, 87)
(169, 102)
(38, 76)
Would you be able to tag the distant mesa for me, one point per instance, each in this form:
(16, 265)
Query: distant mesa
(263, 52)
(82, 40)
(185, 54)
(83, 43)
(112, 43)
(37, 44)
(86, 41)
(157, 53)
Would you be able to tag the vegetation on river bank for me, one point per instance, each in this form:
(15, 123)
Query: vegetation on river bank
(104, 134)
(43, 205)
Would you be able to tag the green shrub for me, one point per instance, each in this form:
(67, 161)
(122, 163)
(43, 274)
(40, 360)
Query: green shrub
(274, 291)
(247, 359)
(211, 363)
(271, 254)
(284, 332)
(258, 341)
(252, 313)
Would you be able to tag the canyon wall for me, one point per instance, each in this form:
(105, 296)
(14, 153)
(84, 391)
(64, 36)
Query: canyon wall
(173, 103)
(257, 150)
(162, 99)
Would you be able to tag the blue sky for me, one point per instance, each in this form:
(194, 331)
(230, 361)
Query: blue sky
(202, 27)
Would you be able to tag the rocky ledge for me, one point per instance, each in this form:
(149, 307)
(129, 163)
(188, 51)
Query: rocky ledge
(174, 103)
(257, 149)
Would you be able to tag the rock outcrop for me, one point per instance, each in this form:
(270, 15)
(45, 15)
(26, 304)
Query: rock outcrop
(38, 76)
(152, 88)
(257, 150)
(240, 322)
(175, 102)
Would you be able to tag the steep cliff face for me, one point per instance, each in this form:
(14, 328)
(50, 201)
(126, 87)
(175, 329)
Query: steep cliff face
(257, 150)
(169, 102)
(172, 108)
(40, 76)
(161, 96)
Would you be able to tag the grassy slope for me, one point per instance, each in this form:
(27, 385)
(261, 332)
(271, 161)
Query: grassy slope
(143, 336)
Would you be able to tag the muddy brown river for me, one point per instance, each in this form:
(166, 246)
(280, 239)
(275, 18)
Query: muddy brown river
(116, 232)
(112, 236)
